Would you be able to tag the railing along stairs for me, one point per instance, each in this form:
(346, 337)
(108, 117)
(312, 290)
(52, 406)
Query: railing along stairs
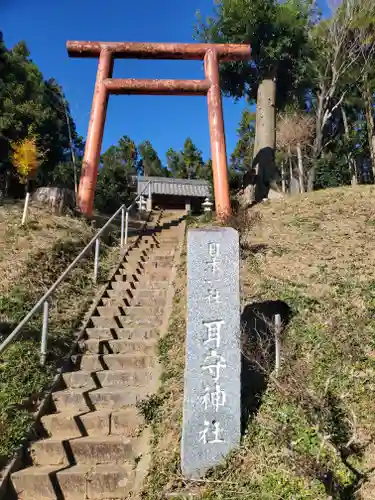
(43, 304)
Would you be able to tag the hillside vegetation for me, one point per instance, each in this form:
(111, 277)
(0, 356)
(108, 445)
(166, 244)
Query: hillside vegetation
(309, 432)
(31, 259)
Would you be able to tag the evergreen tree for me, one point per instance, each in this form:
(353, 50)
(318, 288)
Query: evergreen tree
(188, 163)
(149, 163)
(241, 158)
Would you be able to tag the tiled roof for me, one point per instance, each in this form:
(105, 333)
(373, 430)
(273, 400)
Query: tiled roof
(192, 188)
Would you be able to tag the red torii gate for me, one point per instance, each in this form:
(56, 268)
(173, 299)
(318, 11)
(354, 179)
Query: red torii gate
(212, 54)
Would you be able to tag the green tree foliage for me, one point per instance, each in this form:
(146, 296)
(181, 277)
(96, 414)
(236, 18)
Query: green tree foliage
(62, 175)
(241, 158)
(124, 154)
(188, 163)
(112, 188)
(149, 163)
(28, 103)
(118, 164)
(174, 163)
(278, 35)
(192, 160)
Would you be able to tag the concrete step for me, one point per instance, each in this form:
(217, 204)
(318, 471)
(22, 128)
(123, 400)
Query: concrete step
(79, 380)
(49, 451)
(114, 398)
(157, 301)
(161, 264)
(35, 483)
(146, 293)
(134, 271)
(95, 362)
(124, 378)
(71, 400)
(165, 251)
(102, 322)
(114, 302)
(145, 332)
(121, 286)
(151, 310)
(106, 481)
(168, 240)
(105, 450)
(110, 311)
(126, 277)
(122, 292)
(64, 424)
(165, 259)
(118, 346)
(96, 379)
(158, 273)
(136, 261)
(152, 284)
(96, 423)
(140, 322)
(126, 422)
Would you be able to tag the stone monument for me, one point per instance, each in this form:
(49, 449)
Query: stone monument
(212, 392)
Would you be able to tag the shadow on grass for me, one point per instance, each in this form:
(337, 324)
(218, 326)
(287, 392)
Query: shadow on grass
(342, 436)
(28, 332)
(258, 352)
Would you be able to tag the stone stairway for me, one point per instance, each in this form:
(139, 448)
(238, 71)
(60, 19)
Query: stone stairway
(94, 443)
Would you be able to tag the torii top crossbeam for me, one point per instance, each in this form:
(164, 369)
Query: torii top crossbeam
(212, 54)
(181, 51)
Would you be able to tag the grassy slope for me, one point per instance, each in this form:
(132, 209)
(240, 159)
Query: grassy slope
(312, 436)
(31, 259)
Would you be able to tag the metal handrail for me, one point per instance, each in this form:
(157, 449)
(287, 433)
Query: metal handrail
(43, 302)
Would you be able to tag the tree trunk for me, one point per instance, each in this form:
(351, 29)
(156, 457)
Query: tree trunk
(351, 161)
(265, 138)
(318, 142)
(290, 170)
(370, 121)
(265, 133)
(293, 182)
(300, 169)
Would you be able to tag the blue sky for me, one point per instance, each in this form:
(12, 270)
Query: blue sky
(164, 120)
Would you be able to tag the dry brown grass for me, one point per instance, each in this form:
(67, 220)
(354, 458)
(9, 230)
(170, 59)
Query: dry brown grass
(42, 231)
(331, 232)
(312, 435)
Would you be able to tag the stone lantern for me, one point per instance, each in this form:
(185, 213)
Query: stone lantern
(142, 203)
(207, 205)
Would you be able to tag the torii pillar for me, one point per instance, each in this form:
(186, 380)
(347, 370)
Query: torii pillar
(212, 54)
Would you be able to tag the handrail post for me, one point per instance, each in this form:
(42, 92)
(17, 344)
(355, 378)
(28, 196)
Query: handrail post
(122, 226)
(277, 343)
(126, 226)
(96, 260)
(149, 201)
(43, 344)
